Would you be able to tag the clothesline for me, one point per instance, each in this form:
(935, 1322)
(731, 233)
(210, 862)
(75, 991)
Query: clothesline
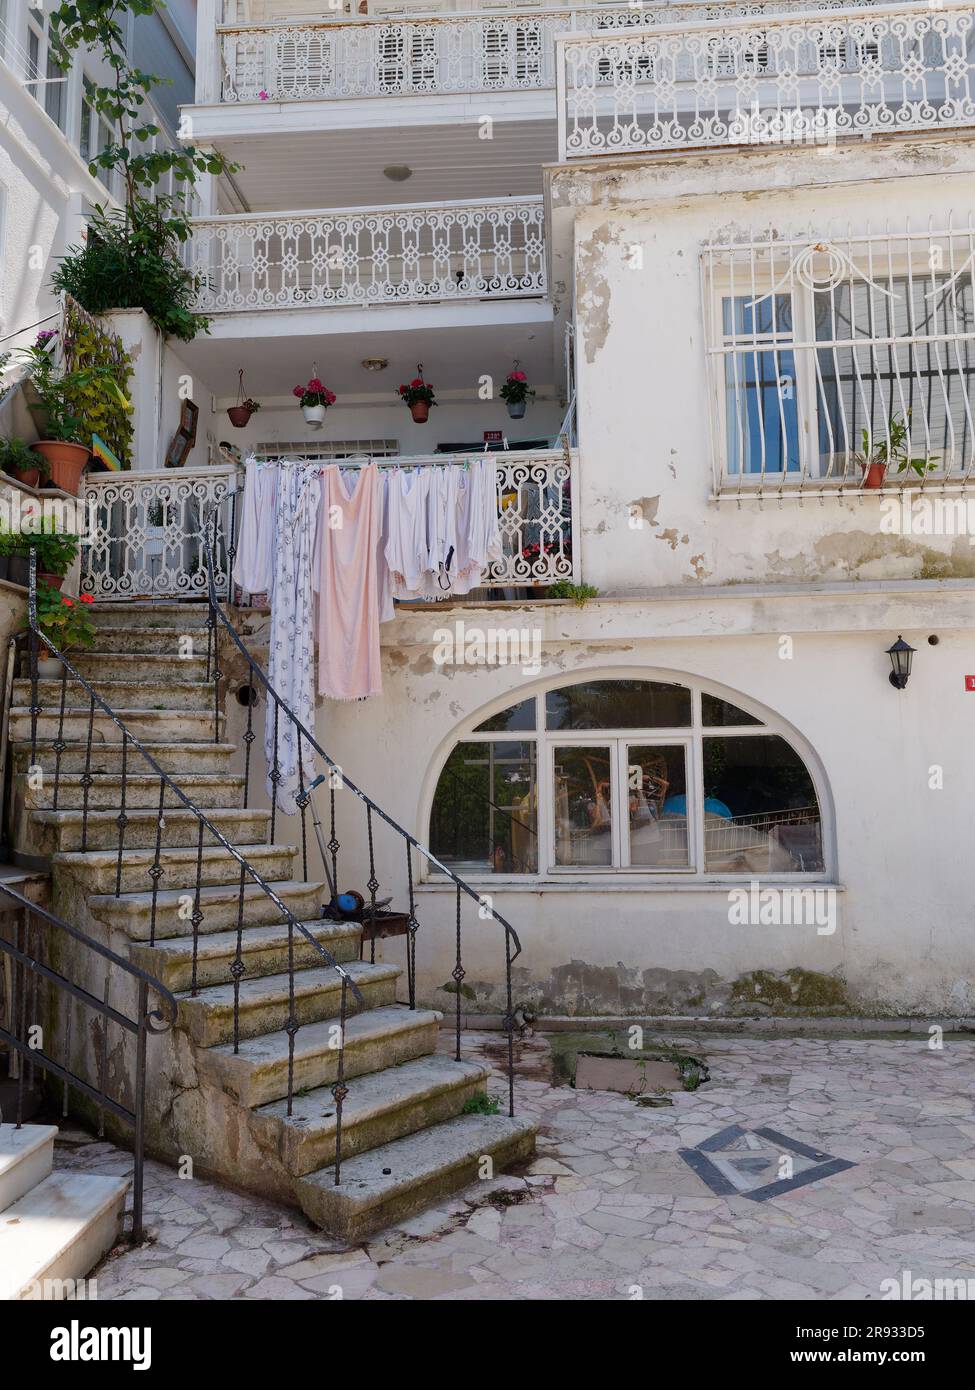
(364, 460)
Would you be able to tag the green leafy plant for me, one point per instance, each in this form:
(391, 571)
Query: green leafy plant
(68, 399)
(18, 457)
(894, 451)
(579, 593)
(62, 620)
(105, 408)
(417, 390)
(139, 248)
(516, 389)
(56, 550)
(482, 1104)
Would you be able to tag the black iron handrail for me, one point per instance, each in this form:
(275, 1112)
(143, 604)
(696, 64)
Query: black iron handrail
(30, 1046)
(303, 798)
(247, 869)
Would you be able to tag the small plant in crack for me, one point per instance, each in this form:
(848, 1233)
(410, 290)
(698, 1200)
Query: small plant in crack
(482, 1104)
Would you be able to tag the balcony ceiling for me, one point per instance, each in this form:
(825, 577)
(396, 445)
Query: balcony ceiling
(454, 352)
(334, 169)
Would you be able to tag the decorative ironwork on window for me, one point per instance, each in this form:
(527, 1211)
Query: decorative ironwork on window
(842, 359)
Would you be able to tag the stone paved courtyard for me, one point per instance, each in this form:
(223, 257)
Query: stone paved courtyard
(610, 1204)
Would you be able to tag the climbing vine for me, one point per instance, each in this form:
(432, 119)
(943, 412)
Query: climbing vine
(86, 344)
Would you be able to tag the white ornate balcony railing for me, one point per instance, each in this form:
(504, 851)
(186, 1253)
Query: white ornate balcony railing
(144, 529)
(785, 80)
(473, 52)
(144, 536)
(360, 256)
(841, 359)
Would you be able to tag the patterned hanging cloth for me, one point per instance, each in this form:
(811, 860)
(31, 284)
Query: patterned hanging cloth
(291, 649)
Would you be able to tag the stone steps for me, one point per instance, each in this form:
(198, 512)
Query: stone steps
(381, 1107)
(119, 694)
(131, 913)
(151, 666)
(54, 1227)
(396, 1180)
(148, 725)
(174, 617)
(379, 1037)
(265, 1005)
(161, 641)
(216, 789)
(178, 757)
(95, 872)
(263, 951)
(61, 831)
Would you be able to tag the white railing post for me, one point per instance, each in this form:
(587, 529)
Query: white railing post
(208, 52)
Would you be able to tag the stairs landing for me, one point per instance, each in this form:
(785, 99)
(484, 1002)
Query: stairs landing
(407, 1136)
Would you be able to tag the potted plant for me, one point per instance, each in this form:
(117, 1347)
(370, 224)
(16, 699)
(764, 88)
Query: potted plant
(56, 551)
(516, 392)
(241, 413)
(875, 459)
(22, 462)
(61, 428)
(65, 623)
(419, 397)
(314, 399)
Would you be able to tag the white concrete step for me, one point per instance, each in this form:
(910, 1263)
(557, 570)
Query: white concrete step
(264, 1004)
(264, 951)
(26, 1158)
(58, 1231)
(148, 641)
(224, 789)
(131, 913)
(152, 722)
(62, 831)
(394, 1181)
(173, 757)
(174, 617)
(380, 1107)
(161, 693)
(380, 1037)
(99, 664)
(95, 872)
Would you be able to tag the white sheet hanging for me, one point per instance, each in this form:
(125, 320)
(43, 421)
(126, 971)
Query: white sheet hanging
(254, 562)
(291, 643)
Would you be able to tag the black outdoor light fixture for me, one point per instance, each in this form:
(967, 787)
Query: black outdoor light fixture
(900, 654)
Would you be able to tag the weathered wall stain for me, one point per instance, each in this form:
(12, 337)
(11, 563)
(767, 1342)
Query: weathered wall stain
(592, 290)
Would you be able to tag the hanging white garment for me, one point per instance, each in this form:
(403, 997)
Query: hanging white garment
(406, 527)
(477, 526)
(254, 562)
(387, 610)
(291, 643)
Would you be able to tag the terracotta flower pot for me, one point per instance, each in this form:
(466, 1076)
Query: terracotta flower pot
(420, 410)
(67, 462)
(239, 415)
(55, 580)
(875, 475)
(31, 477)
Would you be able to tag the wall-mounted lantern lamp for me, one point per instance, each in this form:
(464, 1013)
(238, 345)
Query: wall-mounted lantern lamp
(901, 654)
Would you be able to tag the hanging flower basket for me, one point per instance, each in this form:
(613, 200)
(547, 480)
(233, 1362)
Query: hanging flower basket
(314, 399)
(516, 393)
(241, 413)
(419, 397)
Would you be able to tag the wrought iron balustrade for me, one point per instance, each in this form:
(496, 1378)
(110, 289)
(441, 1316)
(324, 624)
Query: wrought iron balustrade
(38, 986)
(145, 537)
(348, 57)
(360, 256)
(771, 78)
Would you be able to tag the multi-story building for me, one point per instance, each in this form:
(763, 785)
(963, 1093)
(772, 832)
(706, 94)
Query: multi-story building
(724, 769)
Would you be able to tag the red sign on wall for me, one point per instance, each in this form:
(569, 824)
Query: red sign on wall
(970, 682)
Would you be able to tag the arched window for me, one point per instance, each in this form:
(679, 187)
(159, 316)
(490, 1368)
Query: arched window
(627, 776)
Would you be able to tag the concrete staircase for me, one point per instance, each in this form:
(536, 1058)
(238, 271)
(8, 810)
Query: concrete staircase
(54, 1227)
(406, 1140)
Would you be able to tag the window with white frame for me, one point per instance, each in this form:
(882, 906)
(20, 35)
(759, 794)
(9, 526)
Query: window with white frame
(626, 776)
(96, 132)
(828, 354)
(44, 79)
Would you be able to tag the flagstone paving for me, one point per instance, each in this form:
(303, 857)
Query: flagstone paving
(610, 1210)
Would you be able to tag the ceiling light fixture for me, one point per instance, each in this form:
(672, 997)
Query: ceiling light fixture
(399, 173)
(375, 364)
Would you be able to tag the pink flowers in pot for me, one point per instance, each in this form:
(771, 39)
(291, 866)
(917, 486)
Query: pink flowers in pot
(315, 393)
